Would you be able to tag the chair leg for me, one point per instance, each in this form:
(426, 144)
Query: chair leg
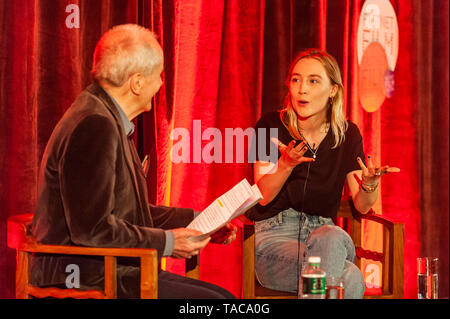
(149, 278)
(110, 277)
(398, 260)
(248, 271)
(22, 275)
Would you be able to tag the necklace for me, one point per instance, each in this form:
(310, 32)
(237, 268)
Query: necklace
(313, 150)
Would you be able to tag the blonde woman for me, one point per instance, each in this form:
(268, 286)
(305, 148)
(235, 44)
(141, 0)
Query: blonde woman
(319, 150)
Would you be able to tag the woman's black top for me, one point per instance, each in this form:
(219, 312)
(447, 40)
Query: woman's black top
(324, 183)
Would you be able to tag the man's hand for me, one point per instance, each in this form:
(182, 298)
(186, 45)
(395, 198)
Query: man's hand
(225, 235)
(184, 247)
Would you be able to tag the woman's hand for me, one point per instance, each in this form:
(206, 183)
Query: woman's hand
(271, 177)
(371, 175)
(292, 156)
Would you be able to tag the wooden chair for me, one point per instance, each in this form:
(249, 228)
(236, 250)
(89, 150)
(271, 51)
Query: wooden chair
(391, 258)
(20, 239)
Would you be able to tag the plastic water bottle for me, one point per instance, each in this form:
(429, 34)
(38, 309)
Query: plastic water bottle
(313, 284)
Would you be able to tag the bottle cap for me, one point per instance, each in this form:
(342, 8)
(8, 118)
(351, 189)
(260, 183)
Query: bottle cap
(314, 260)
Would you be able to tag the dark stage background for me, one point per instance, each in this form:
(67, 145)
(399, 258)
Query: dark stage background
(225, 64)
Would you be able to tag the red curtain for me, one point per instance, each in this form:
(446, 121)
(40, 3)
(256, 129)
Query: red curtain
(431, 93)
(225, 65)
(44, 66)
(213, 61)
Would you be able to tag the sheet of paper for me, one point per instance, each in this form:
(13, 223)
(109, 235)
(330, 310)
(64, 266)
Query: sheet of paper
(225, 208)
(255, 197)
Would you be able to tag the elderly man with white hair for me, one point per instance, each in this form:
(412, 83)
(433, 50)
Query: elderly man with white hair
(92, 191)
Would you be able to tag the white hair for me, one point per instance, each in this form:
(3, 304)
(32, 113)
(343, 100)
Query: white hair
(124, 50)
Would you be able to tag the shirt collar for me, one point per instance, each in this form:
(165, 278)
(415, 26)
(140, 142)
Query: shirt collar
(127, 124)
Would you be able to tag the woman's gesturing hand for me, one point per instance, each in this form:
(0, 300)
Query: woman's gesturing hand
(371, 175)
(292, 155)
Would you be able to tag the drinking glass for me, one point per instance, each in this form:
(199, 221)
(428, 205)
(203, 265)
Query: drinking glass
(427, 277)
(335, 288)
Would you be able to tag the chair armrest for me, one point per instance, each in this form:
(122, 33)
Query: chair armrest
(348, 210)
(32, 246)
(386, 221)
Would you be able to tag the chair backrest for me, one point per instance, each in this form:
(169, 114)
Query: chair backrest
(392, 255)
(20, 239)
(391, 258)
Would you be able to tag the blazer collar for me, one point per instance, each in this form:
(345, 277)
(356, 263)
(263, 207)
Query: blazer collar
(99, 92)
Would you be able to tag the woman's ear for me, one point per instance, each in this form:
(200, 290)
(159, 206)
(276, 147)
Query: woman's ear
(334, 91)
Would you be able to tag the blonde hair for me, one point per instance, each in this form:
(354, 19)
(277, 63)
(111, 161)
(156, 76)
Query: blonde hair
(335, 113)
(124, 50)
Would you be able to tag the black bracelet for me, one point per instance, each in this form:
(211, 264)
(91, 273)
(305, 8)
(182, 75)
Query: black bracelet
(368, 189)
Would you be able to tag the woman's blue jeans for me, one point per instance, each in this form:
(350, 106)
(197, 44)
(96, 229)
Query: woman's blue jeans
(278, 251)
